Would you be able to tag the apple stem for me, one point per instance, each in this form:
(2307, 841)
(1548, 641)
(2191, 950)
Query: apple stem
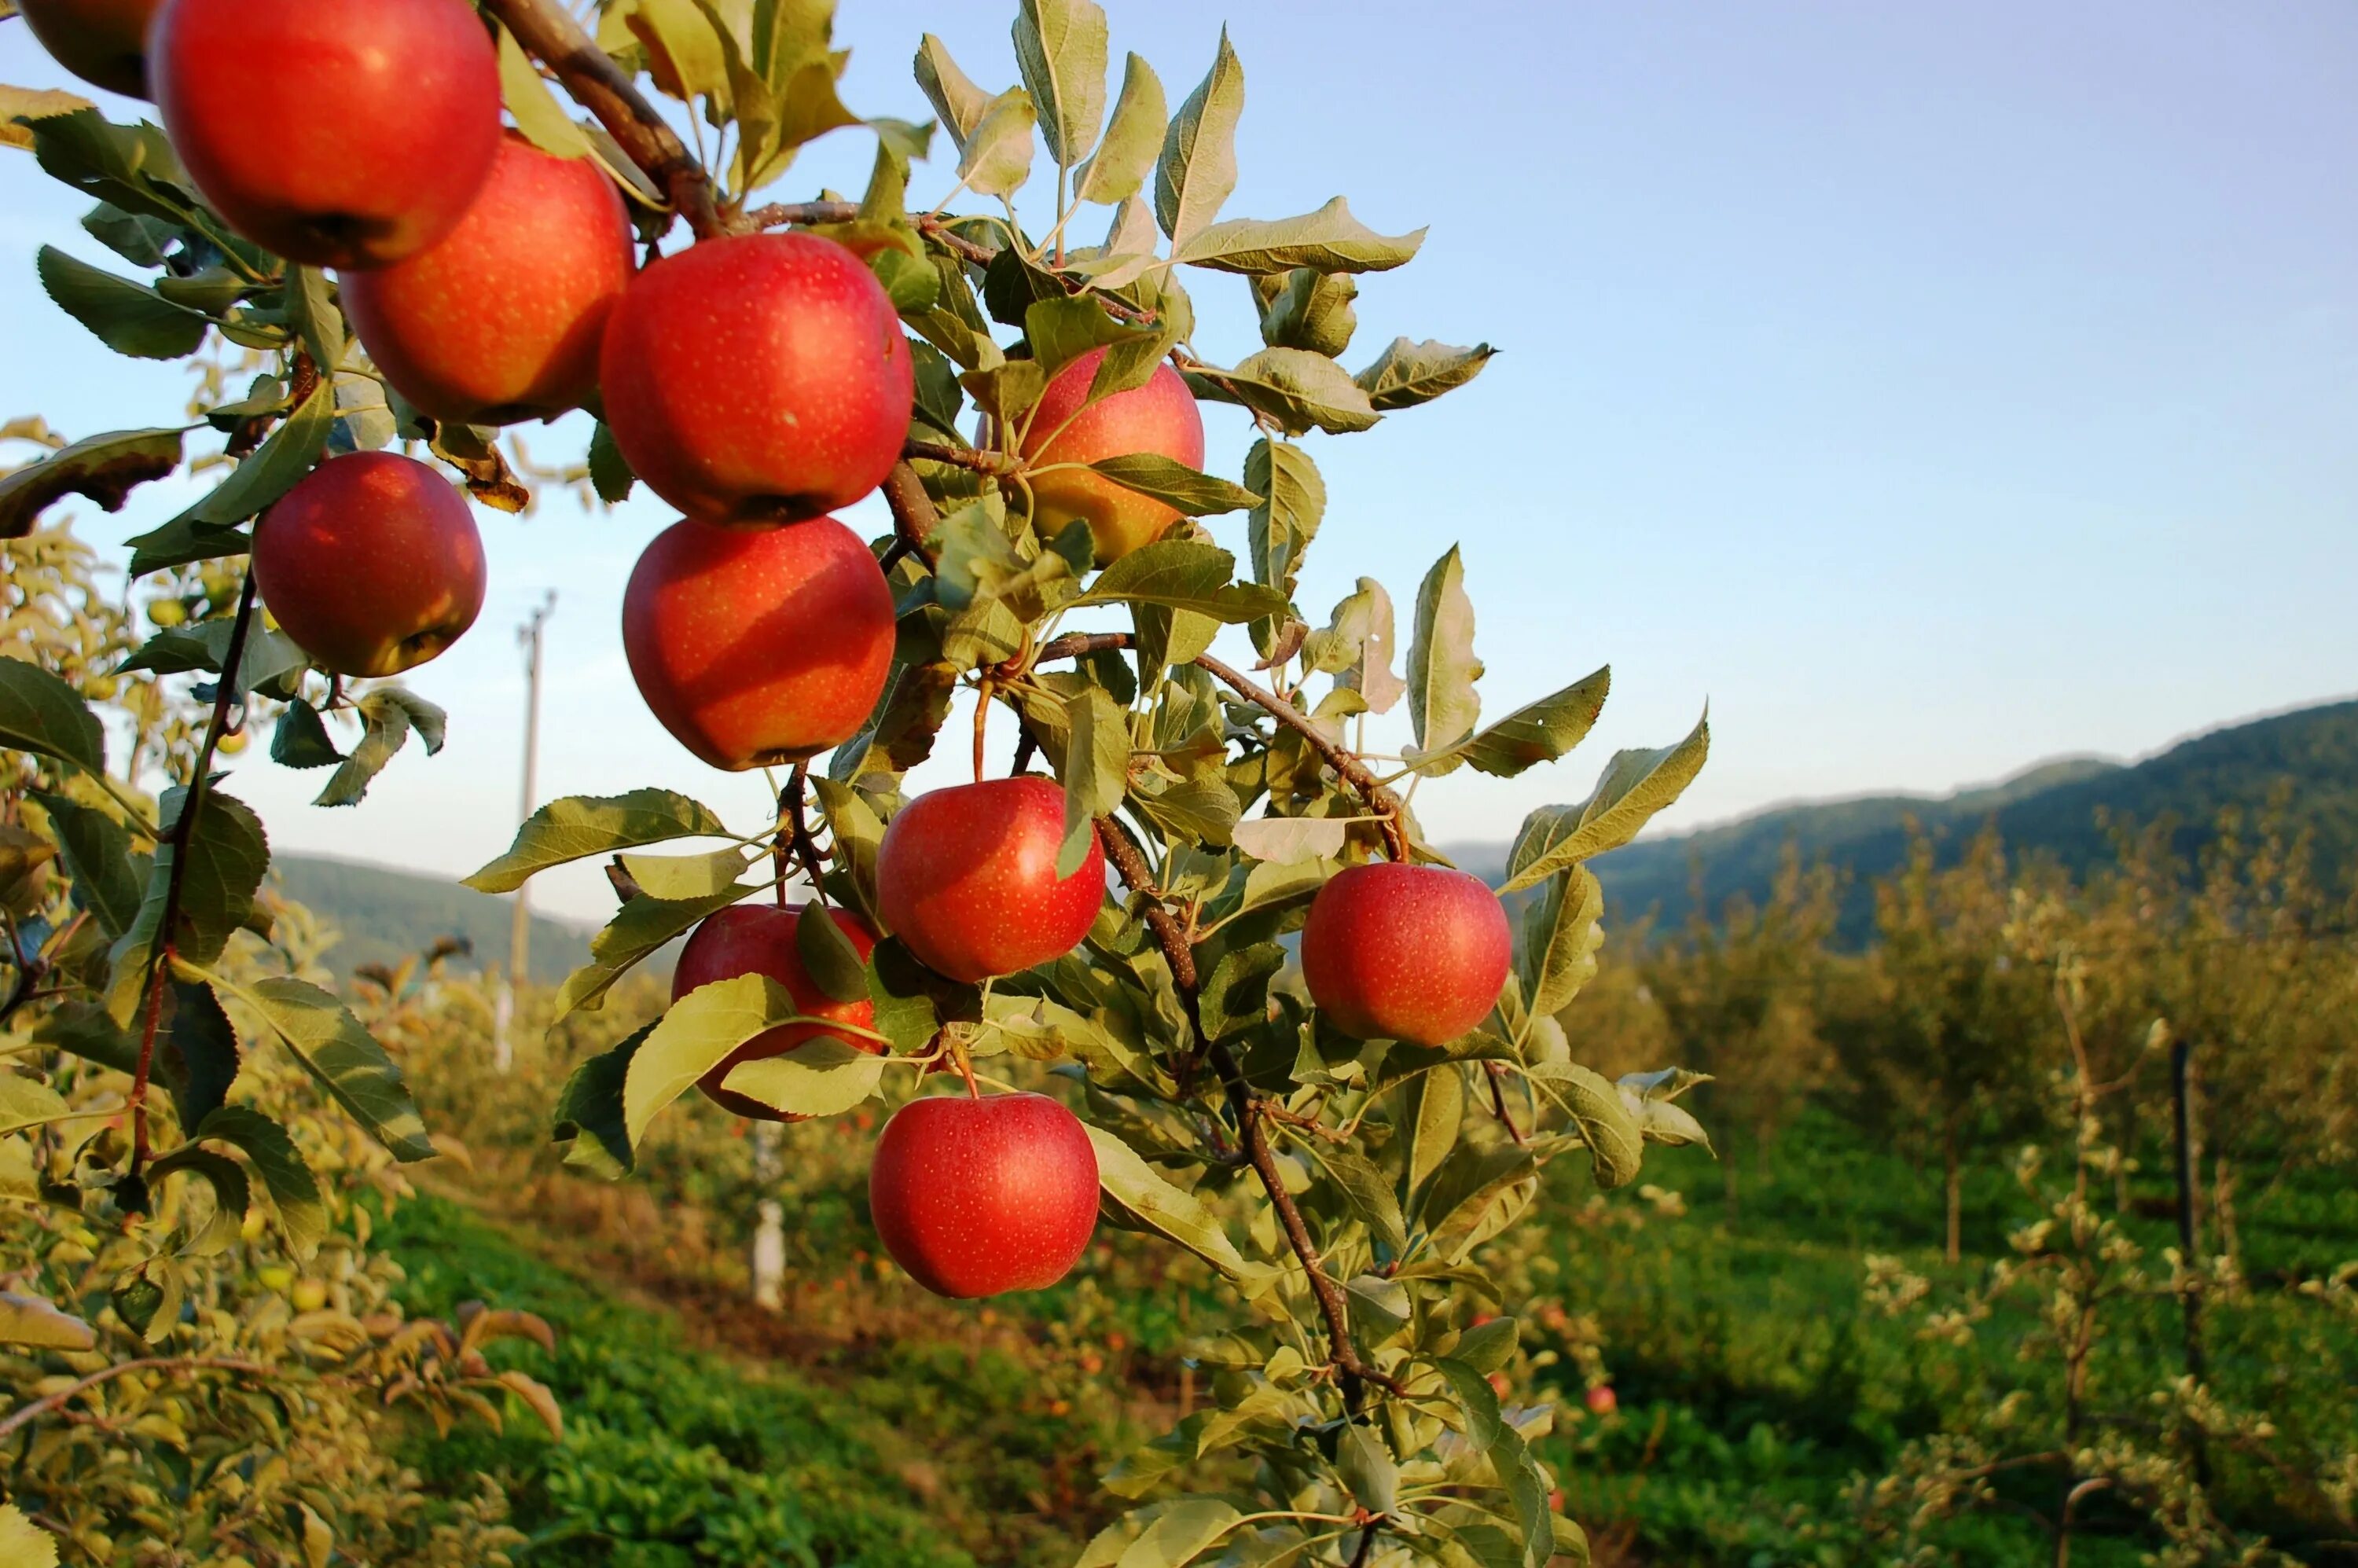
(981, 723)
(1498, 1104)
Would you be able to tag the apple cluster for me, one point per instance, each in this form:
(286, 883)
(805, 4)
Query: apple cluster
(759, 384)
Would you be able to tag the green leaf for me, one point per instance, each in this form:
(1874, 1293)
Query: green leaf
(1329, 240)
(104, 467)
(1291, 839)
(131, 167)
(1649, 1096)
(1406, 373)
(687, 51)
(231, 1195)
(997, 157)
(299, 739)
(1235, 995)
(1284, 520)
(32, 103)
(227, 855)
(828, 957)
(1527, 1484)
(1356, 647)
(1095, 770)
(1431, 1111)
(1635, 785)
(1313, 310)
(1133, 137)
(1561, 931)
(344, 1057)
(609, 472)
(198, 1061)
(294, 1191)
(125, 317)
(537, 113)
(822, 1076)
(1175, 484)
(1063, 327)
(1132, 1188)
(1198, 167)
(1537, 733)
(109, 880)
(29, 1320)
(1365, 1188)
(1599, 1114)
(592, 1103)
(1193, 811)
(678, 877)
(1441, 669)
(1179, 1534)
(959, 103)
(1368, 1468)
(1060, 49)
(913, 286)
(86, 1029)
(1474, 1395)
(1471, 1182)
(21, 1541)
(390, 712)
(28, 1103)
(701, 1029)
(1488, 1347)
(1300, 389)
(1183, 574)
(640, 927)
(41, 714)
(204, 531)
(580, 826)
(312, 311)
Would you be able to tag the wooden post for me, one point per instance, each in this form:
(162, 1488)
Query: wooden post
(529, 638)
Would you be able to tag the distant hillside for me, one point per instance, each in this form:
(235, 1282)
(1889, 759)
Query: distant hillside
(386, 916)
(2053, 807)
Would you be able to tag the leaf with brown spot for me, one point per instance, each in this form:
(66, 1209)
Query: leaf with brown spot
(103, 468)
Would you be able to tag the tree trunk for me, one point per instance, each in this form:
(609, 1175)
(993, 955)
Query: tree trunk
(1953, 1186)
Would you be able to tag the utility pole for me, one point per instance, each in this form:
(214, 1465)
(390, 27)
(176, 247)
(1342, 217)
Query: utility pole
(529, 638)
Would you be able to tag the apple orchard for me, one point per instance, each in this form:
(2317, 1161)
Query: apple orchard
(1075, 976)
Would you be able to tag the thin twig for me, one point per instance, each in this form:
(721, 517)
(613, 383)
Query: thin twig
(1386, 805)
(806, 848)
(180, 836)
(913, 517)
(975, 458)
(545, 30)
(47, 1402)
(1342, 1352)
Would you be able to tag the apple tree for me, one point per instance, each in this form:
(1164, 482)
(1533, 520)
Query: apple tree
(1188, 968)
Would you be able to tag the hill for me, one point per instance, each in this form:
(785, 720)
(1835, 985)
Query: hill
(386, 916)
(2057, 808)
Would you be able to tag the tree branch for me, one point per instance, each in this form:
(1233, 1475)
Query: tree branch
(545, 30)
(183, 832)
(1353, 771)
(47, 1402)
(1342, 1354)
(913, 517)
(975, 458)
(806, 848)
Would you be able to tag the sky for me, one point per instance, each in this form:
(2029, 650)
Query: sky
(1930, 389)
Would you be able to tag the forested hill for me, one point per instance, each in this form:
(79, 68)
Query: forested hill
(386, 916)
(2054, 808)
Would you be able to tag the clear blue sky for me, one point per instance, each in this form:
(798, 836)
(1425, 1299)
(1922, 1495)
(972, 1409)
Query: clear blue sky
(1933, 387)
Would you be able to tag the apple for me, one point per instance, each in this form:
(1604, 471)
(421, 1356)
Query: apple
(758, 379)
(755, 647)
(501, 319)
(967, 879)
(975, 1197)
(1066, 428)
(1602, 1400)
(1412, 953)
(104, 42)
(371, 563)
(759, 939)
(335, 134)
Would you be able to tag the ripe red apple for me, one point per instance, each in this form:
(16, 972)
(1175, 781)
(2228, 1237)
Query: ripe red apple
(758, 379)
(1602, 1400)
(758, 647)
(1160, 416)
(975, 1197)
(1410, 953)
(371, 563)
(967, 878)
(759, 939)
(104, 42)
(501, 319)
(336, 134)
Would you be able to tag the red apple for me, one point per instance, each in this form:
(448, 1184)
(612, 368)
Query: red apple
(975, 1197)
(1602, 1401)
(104, 42)
(1064, 428)
(1412, 953)
(501, 319)
(758, 647)
(758, 379)
(759, 939)
(967, 878)
(371, 563)
(334, 132)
